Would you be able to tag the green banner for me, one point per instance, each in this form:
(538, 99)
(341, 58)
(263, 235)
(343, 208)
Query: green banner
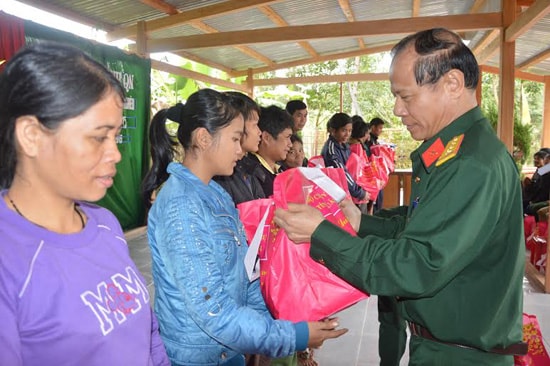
(123, 198)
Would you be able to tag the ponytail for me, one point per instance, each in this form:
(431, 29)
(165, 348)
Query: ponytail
(162, 148)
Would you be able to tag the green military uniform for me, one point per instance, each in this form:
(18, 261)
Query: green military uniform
(392, 336)
(456, 260)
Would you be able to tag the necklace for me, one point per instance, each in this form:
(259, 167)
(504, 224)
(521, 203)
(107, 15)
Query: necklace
(23, 216)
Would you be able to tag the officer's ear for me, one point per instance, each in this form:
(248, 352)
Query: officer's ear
(454, 83)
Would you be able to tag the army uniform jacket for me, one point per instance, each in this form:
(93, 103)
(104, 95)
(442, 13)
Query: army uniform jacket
(456, 259)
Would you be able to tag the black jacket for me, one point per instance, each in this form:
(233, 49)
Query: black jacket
(243, 185)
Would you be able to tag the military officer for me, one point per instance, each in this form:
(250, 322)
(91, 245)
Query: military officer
(455, 260)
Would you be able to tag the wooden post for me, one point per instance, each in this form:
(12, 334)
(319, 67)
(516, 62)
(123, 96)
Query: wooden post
(250, 83)
(141, 39)
(545, 132)
(505, 127)
(341, 97)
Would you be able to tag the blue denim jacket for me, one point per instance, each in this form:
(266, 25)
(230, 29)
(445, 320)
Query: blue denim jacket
(207, 309)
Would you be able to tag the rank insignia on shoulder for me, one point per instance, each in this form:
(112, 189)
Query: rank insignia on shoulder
(451, 149)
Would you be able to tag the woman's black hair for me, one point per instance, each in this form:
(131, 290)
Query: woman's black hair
(359, 128)
(205, 108)
(53, 82)
(338, 120)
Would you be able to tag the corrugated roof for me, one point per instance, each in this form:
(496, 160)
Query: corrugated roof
(237, 20)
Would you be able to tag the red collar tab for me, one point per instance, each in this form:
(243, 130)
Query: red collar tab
(433, 153)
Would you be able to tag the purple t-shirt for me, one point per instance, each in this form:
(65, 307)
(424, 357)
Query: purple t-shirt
(73, 299)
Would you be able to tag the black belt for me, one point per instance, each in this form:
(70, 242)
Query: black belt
(513, 349)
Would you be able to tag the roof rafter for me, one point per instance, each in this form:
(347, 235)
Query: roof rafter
(227, 7)
(320, 31)
(329, 57)
(244, 49)
(534, 60)
(169, 9)
(348, 12)
(526, 19)
(383, 76)
(278, 20)
(416, 8)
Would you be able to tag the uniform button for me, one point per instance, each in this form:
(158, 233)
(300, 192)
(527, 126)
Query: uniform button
(417, 179)
(322, 261)
(223, 356)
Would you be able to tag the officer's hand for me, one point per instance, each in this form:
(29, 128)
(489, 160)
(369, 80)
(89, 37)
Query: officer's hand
(299, 221)
(320, 331)
(352, 213)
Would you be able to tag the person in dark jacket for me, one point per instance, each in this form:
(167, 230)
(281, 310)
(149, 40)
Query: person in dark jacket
(243, 185)
(336, 150)
(276, 126)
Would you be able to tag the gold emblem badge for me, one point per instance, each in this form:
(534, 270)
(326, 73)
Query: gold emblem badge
(451, 149)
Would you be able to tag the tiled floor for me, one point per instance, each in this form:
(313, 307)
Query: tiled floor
(359, 347)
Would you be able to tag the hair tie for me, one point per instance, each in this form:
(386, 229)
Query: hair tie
(174, 113)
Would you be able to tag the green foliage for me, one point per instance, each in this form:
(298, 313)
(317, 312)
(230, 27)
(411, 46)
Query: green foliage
(527, 114)
(368, 99)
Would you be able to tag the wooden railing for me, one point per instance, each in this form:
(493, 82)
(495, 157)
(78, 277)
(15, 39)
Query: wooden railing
(398, 192)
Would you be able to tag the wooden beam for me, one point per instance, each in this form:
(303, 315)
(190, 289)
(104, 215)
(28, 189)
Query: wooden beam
(163, 66)
(161, 6)
(342, 78)
(206, 62)
(476, 6)
(334, 56)
(517, 74)
(534, 60)
(488, 51)
(278, 20)
(226, 7)
(415, 8)
(244, 49)
(527, 19)
(488, 38)
(348, 12)
(461, 22)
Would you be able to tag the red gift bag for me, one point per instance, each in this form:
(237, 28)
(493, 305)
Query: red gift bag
(356, 166)
(316, 161)
(294, 286)
(536, 354)
(387, 153)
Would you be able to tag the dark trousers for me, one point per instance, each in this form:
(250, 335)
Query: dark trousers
(392, 335)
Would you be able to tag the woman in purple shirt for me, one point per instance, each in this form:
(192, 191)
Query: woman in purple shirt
(69, 292)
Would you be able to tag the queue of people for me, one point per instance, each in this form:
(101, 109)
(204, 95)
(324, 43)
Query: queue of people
(68, 283)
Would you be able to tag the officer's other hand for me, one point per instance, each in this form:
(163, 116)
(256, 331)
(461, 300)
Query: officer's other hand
(299, 221)
(323, 330)
(352, 213)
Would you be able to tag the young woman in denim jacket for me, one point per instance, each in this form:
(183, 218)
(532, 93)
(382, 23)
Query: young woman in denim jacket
(209, 313)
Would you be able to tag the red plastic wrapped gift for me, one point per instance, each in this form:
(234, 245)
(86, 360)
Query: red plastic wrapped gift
(357, 167)
(294, 286)
(536, 354)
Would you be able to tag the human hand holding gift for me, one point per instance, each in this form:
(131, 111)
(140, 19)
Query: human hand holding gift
(299, 221)
(296, 287)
